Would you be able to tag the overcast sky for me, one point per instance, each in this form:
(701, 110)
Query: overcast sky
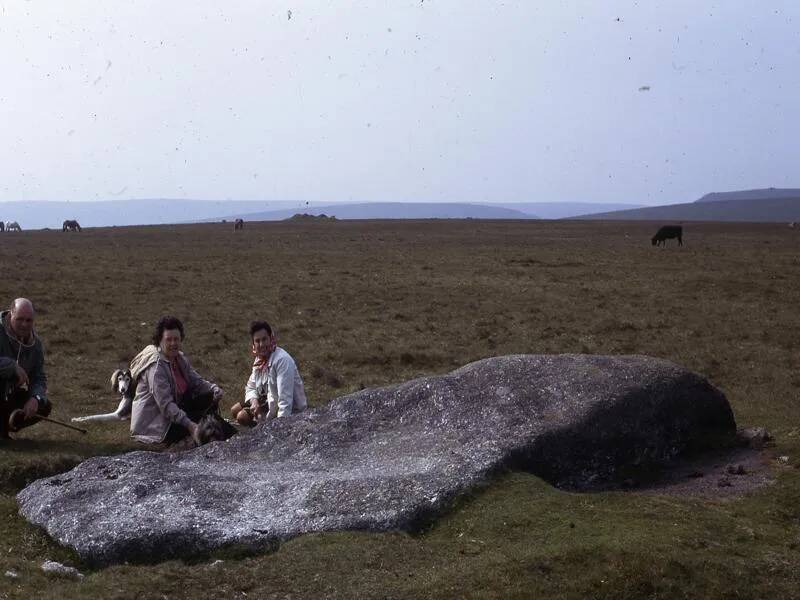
(425, 100)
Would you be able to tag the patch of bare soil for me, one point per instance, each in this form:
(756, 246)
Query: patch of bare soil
(720, 474)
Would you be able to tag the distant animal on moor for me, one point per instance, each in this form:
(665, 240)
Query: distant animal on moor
(70, 225)
(668, 232)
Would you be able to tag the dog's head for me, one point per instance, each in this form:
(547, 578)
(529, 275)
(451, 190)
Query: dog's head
(121, 380)
(212, 428)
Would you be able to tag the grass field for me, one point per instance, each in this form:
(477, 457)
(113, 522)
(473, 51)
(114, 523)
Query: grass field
(371, 303)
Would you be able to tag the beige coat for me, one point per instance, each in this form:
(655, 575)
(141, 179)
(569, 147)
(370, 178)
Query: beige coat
(155, 406)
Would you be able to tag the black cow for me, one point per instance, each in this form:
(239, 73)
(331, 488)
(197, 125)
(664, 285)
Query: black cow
(668, 232)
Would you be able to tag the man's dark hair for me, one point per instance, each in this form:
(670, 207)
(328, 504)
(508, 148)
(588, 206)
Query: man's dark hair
(165, 323)
(258, 326)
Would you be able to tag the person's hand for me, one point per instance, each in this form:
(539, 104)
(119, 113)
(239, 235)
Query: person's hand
(258, 412)
(30, 408)
(22, 378)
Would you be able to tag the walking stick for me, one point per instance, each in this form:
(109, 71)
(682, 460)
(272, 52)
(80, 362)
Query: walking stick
(19, 416)
(67, 425)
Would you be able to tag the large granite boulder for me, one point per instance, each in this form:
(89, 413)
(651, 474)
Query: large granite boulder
(384, 458)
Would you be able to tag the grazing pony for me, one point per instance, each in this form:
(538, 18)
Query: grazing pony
(70, 225)
(13, 226)
(238, 224)
(668, 232)
(792, 224)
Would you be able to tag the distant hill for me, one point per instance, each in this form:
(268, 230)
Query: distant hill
(562, 210)
(157, 211)
(762, 194)
(393, 210)
(37, 215)
(769, 210)
(750, 205)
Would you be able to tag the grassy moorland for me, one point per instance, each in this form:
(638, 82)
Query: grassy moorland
(371, 303)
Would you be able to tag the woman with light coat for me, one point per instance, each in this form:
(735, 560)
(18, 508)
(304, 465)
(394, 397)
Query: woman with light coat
(171, 397)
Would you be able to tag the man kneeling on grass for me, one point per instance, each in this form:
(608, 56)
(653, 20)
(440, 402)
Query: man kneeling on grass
(275, 388)
(23, 383)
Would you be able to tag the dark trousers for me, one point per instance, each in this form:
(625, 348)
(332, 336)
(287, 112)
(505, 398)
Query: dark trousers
(196, 406)
(12, 399)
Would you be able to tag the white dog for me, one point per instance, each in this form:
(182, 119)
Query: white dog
(121, 383)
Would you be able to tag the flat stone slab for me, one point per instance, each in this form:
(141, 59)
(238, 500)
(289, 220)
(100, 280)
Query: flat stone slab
(387, 458)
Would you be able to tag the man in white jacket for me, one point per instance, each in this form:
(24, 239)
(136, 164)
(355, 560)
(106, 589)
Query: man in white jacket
(275, 388)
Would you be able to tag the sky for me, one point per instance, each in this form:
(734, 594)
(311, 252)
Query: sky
(425, 100)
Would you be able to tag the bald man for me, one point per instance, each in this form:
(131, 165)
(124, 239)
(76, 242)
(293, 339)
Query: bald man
(23, 383)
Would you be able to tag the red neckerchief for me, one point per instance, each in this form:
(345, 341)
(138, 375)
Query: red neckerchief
(260, 362)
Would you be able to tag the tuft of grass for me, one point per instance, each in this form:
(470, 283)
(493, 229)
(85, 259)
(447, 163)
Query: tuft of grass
(327, 377)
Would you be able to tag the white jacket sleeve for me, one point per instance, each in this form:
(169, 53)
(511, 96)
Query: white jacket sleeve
(250, 391)
(284, 381)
